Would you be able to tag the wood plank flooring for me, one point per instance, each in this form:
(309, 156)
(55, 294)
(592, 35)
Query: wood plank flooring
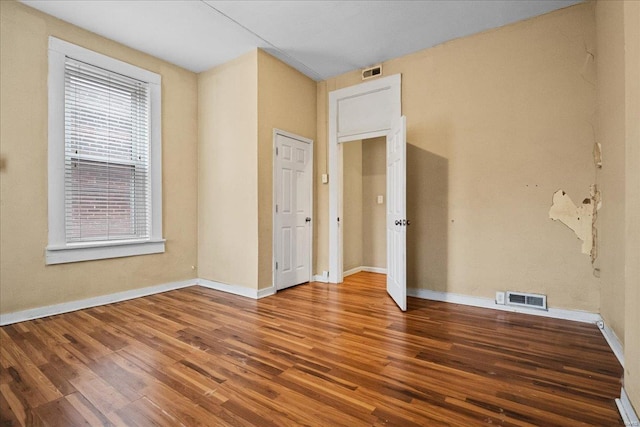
(313, 355)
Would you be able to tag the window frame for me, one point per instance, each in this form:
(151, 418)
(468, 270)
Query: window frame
(58, 250)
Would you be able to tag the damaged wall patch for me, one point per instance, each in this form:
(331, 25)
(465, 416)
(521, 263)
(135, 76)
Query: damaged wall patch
(577, 218)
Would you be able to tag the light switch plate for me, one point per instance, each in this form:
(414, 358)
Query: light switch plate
(325, 178)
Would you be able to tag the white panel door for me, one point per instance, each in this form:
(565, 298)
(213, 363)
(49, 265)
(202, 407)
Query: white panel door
(397, 213)
(293, 211)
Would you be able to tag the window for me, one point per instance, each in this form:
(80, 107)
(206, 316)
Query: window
(104, 157)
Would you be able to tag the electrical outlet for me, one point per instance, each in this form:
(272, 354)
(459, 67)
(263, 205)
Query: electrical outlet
(499, 297)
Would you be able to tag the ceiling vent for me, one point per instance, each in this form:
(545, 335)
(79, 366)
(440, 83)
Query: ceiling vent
(370, 72)
(527, 300)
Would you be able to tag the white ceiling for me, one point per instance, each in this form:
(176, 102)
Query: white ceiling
(320, 38)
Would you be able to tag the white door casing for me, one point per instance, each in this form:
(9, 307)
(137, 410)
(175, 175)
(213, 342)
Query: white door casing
(293, 207)
(397, 213)
(362, 111)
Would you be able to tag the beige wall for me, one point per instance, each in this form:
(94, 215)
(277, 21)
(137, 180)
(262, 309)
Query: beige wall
(352, 225)
(618, 60)
(497, 122)
(374, 215)
(611, 178)
(286, 101)
(240, 103)
(228, 173)
(25, 281)
(632, 234)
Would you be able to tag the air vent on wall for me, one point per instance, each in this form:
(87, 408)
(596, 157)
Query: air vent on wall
(527, 300)
(370, 72)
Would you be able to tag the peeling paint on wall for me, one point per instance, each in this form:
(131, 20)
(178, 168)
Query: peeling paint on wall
(580, 219)
(597, 155)
(597, 204)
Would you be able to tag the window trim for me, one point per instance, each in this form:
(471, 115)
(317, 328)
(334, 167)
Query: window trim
(58, 251)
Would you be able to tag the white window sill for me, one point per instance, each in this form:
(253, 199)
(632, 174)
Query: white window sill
(88, 252)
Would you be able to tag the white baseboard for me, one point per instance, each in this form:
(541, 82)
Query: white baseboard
(266, 292)
(231, 289)
(613, 341)
(66, 307)
(352, 271)
(556, 313)
(320, 278)
(625, 408)
(365, 268)
(378, 270)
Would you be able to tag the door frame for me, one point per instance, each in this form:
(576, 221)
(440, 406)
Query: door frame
(392, 105)
(275, 188)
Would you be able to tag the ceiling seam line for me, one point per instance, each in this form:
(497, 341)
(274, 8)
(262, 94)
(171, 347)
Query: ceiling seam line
(317, 76)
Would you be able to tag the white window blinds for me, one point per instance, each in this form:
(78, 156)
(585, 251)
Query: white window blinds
(107, 148)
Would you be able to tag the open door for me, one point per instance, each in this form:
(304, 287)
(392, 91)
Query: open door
(397, 212)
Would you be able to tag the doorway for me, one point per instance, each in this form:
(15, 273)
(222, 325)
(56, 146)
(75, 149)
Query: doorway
(293, 207)
(363, 111)
(364, 195)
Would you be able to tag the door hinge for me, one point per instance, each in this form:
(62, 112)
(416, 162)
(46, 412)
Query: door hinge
(276, 208)
(276, 265)
(276, 151)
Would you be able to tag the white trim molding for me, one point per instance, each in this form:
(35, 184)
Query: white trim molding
(627, 413)
(236, 289)
(364, 268)
(613, 341)
(320, 278)
(352, 271)
(556, 313)
(378, 270)
(266, 292)
(66, 307)
(108, 250)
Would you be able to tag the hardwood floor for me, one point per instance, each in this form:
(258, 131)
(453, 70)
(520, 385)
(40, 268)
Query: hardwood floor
(315, 355)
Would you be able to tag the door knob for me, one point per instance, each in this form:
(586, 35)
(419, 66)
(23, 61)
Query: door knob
(398, 222)
(307, 219)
